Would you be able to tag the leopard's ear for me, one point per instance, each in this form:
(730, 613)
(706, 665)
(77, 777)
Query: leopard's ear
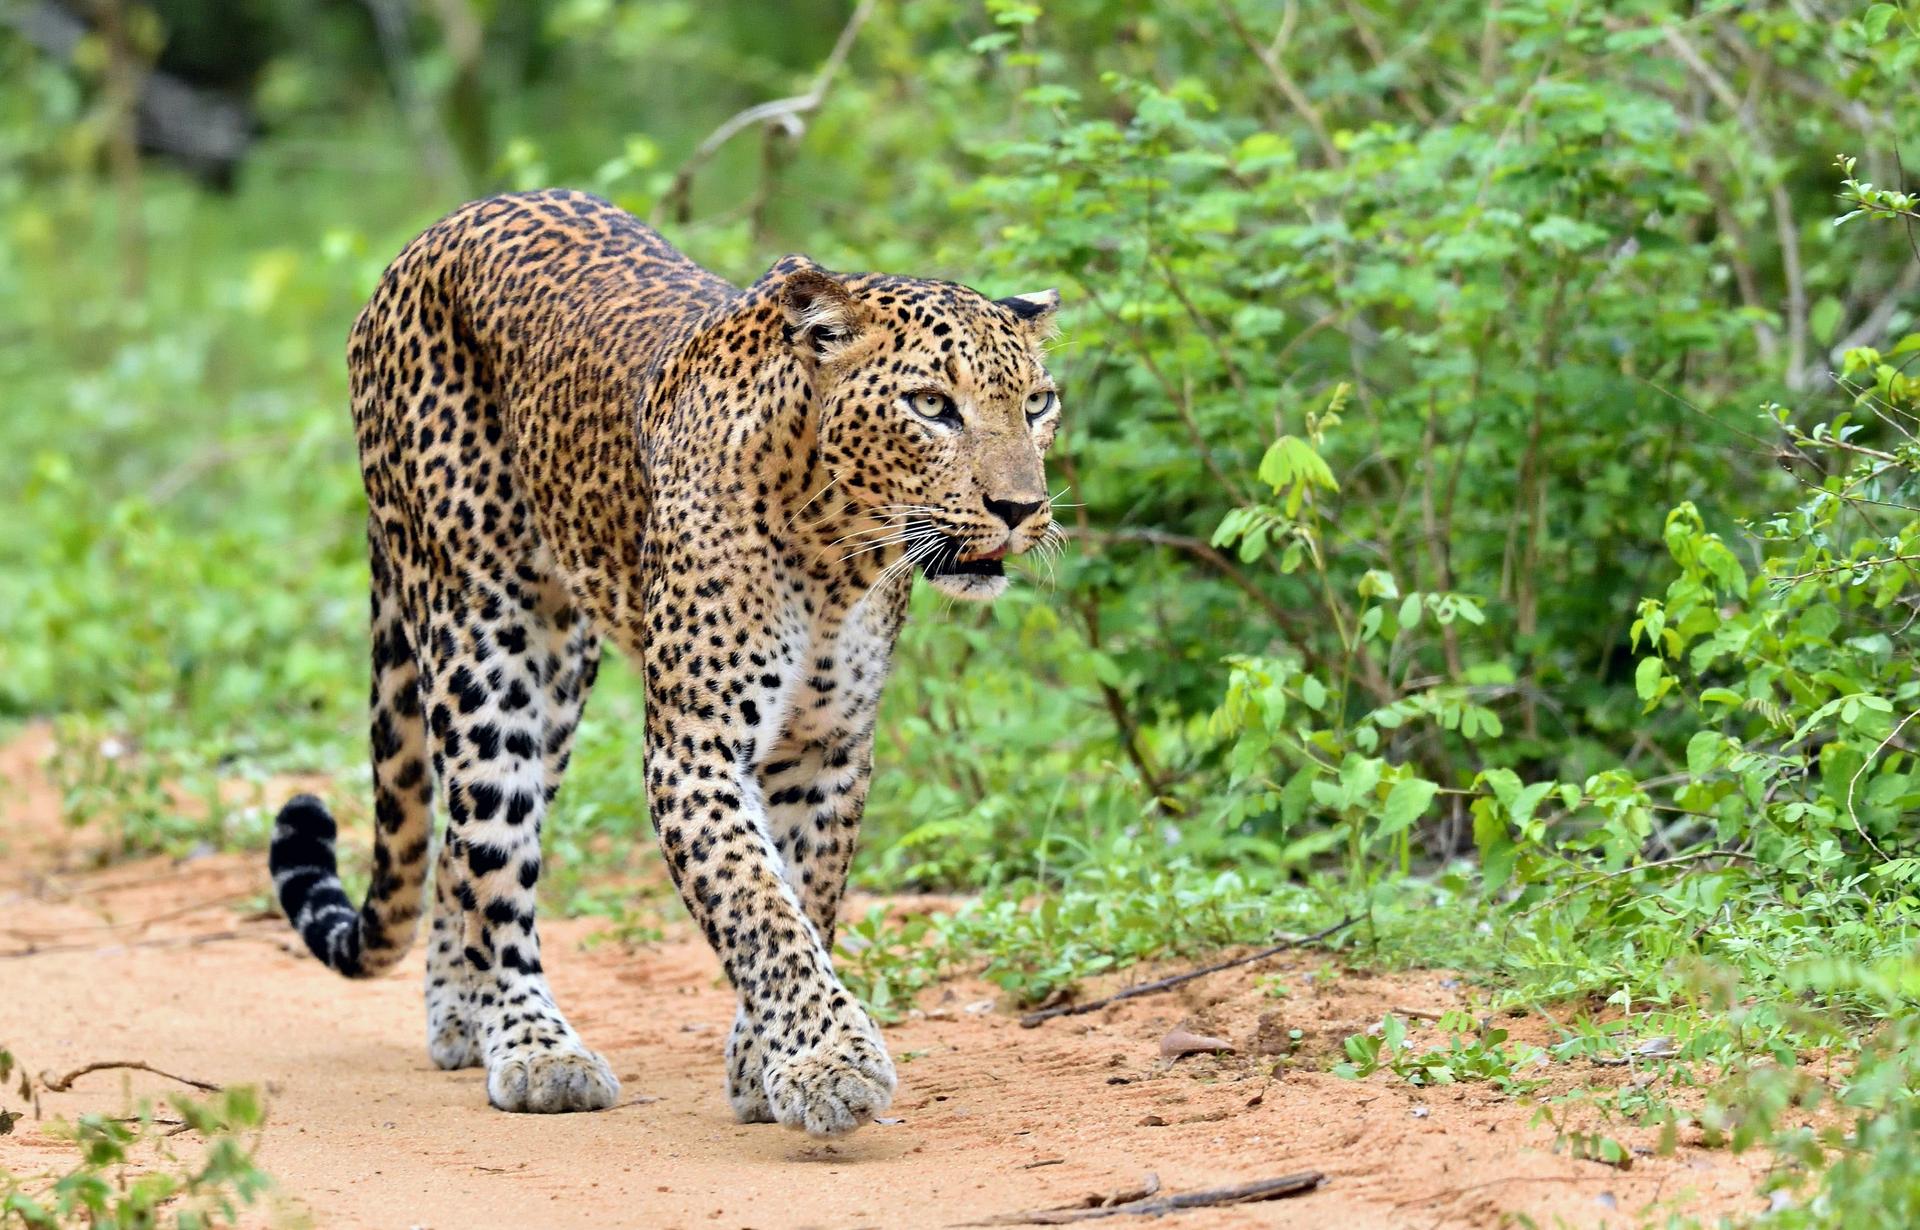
(1038, 312)
(823, 317)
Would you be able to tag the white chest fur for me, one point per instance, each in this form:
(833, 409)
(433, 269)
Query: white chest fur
(831, 673)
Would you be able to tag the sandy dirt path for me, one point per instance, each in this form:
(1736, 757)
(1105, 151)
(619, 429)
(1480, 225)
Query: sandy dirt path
(164, 962)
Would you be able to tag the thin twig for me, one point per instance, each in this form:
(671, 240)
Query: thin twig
(1123, 719)
(1451, 1192)
(1371, 41)
(1855, 780)
(784, 112)
(390, 34)
(34, 949)
(137, 924)
(1786, 228)
(1031, 1019)
(1858, 565)
(1284, 82)
(1694, 856)
(1850, 447)
(1213, 1197)
(1201, 550)
(1178, 396)
(60, 1084)
(1875, 324)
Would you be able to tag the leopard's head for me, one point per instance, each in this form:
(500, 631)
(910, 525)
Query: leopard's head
(935, 411)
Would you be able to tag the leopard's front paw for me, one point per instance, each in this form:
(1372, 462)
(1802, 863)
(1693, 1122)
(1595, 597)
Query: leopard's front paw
(833, 1087)
(551, 1080)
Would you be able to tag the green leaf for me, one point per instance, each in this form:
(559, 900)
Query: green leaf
(1705, 752)
(1359, 775)
(1406, 803)
(1520, 811)
(1824, 320)
(1504, 783)
(1497, 851)
(1646, 677)
(1291, 462)
(1295, 796)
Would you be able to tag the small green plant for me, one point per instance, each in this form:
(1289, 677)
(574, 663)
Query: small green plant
(1594, 1147)
(132, 1175)
(8, 1118)
(886, 963)
(1475, 1051)
(625, 922)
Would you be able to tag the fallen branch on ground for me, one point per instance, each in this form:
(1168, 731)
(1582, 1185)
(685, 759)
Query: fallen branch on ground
(1032, 1019)
(136, 924)
(1454, 1192)
(60, 1084)
(1213, 1197)
(170, 941)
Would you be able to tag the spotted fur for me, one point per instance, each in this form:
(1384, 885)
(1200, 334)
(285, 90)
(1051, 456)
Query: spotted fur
(570, 432)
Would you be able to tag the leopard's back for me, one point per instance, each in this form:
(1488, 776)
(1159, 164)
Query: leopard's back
(500, 370)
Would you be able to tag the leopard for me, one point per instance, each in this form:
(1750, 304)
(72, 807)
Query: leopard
(571, 434)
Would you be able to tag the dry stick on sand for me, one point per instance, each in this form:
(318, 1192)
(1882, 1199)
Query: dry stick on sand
(171, 941)
(60, 1084)
(1244, 1193)
(1032, 1019)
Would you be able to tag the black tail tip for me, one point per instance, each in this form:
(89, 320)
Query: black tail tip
(306, 816)
(302, 837)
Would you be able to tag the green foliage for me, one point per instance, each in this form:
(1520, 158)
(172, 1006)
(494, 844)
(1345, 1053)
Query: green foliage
(1037, 940)
(1432, 563)
(130, 1175)
(1474, 1052)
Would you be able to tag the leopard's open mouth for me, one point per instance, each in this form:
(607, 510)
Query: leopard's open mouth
(951, 558)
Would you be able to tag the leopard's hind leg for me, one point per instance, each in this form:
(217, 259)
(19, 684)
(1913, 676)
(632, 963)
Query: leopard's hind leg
(504, 672)
(570, 664)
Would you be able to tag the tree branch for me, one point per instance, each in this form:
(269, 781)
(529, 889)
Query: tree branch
(1031, 1019)
(1284, 82)
(1785, 226)
(782, 112)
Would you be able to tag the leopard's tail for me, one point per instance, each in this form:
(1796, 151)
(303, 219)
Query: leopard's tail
(366, 942)
(307, 880)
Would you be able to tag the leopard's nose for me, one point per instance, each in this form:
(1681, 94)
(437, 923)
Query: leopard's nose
(1013, 512)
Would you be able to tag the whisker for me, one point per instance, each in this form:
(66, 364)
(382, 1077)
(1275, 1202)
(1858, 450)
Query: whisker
(877, 546)
(888, 517)
(918, 545)
(831, 484)
(907, 560)
(889, 525)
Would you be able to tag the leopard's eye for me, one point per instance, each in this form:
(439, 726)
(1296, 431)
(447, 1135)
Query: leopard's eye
(1040, 403)
(933, 405)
